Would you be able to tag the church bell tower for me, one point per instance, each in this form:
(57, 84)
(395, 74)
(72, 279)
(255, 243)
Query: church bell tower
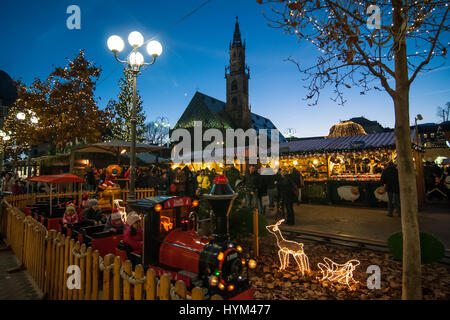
(237, 75)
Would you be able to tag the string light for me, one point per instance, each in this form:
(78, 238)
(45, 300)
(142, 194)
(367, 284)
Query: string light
(340, 273)
(288, 248)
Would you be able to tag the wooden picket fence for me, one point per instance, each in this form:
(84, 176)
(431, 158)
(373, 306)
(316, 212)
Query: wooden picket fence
(22, 200)
(54, 261)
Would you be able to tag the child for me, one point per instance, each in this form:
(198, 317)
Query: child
(132, 234)
(114, 223)
(94, 213)
(70, 216)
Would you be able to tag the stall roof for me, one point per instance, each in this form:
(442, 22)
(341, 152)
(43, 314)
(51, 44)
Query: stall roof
(306, 145)
(116, 147)
(56, 178)
(374, 140)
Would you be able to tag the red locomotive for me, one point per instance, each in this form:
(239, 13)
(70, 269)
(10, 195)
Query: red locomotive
(171, 244)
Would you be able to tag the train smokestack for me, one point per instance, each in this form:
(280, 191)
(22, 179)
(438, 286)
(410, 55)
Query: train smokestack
(221, 200)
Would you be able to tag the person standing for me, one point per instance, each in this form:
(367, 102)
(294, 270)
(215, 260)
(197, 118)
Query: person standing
(389, 179)
(288, 196)
(90, 179)
(297, 179)
(190, 183)
(270, 181)
(203, 182)
(261, 191)
(179, 181)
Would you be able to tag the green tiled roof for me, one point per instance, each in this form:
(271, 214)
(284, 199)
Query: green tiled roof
(206, 109)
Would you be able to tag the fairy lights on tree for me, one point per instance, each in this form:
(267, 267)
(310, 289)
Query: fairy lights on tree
(121, 127)
(62, 108)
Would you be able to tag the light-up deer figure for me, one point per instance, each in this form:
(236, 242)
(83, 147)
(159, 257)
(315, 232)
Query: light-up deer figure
(121, 210)
(287, 248)
(340, 273)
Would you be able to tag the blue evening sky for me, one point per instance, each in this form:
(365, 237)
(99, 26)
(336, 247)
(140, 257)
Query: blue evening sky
(34, 37)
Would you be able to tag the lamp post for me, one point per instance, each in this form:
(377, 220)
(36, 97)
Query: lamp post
(33, 120)
(418, 117)
(134, 62)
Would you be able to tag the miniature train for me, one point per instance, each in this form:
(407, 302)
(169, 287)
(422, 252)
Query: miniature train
(171, 243)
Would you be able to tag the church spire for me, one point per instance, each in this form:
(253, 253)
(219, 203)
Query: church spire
(237, 35)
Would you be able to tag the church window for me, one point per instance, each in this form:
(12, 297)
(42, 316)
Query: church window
(234, 85)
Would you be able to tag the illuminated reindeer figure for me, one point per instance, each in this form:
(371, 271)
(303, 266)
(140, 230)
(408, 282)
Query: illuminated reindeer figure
(340, 273)
(121, 210)
(287, 248)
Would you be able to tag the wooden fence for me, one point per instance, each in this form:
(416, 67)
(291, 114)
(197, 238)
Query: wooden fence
(22, 200)
(67, 270)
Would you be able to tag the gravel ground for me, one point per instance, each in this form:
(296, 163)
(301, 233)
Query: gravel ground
(272, 284)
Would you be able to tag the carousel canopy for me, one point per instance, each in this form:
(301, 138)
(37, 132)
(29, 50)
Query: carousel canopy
(346, 129)
(56, 178)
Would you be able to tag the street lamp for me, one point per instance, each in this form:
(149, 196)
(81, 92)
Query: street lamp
(33, 120)
(134, 62)
(418, 117)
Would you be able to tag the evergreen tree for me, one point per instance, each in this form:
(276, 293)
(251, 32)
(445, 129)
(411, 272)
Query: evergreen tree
(121, 128)
(62, 106)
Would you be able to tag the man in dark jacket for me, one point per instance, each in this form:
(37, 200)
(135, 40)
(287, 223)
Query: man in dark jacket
(261, 189)
(90, 179)
(389, 178)
(297, 178)
(251, 182)
(286, 189)
(153, 180)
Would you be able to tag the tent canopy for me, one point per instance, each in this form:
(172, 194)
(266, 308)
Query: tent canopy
(56, 178)
(117, 147)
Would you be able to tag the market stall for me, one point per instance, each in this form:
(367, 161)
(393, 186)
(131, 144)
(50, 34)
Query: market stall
(346, 169)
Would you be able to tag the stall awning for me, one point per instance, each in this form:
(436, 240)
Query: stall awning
(56, 178)
(116, 147)
(374, 140)
(318, 144)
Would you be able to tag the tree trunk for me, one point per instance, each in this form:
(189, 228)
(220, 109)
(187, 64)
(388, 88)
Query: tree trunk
(412, 279)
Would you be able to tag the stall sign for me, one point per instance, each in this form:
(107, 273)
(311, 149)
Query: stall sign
(177, 202)
(358, 144)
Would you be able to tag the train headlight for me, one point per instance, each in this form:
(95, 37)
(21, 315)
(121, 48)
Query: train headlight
(243, 262)
(158, 207)
(195, 203)
(220, 256)
(252, 264)
(221, 286)
(239, 249)
(213, 281)
(230, 287)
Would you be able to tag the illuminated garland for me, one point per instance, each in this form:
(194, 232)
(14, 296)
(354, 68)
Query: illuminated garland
(340, 273)
(287, 248)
